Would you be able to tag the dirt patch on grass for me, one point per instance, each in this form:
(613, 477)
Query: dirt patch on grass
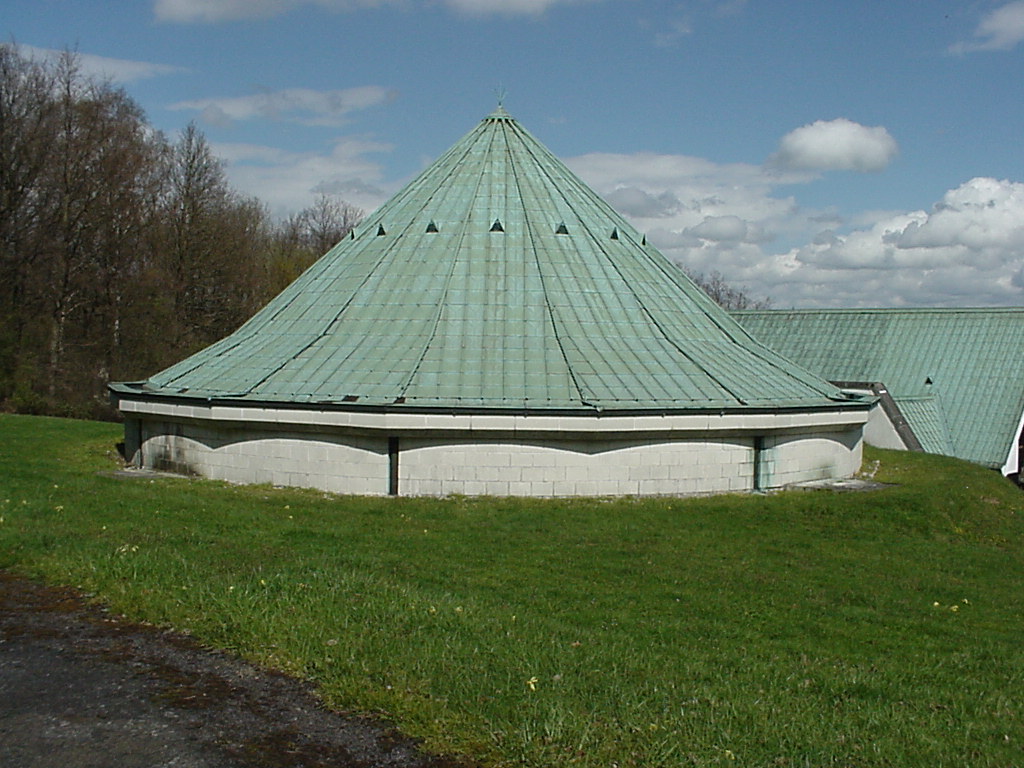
(80, 688)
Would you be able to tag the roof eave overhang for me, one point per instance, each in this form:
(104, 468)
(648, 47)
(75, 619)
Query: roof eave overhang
(138, 391)
(406, 419)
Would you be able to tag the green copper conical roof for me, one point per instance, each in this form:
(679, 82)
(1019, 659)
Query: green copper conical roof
(495, 279)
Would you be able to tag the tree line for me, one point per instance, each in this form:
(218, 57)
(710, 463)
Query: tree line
(121, 250)
(725, 294)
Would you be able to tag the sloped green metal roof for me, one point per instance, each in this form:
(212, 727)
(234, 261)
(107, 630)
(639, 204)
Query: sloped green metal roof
(495, 279)
(956, 374)
(928, 420)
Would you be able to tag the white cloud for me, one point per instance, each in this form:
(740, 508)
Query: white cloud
(290, 181)
(673, 193)
(104, 68)
(836, 145)
(968, 250)
(721, 229)
(999, 30)
(633, 201)
(506, 7)
(980, 215)
(301, 105)
(213, 11)
(210, 11)
(705, 216)
(672, 33)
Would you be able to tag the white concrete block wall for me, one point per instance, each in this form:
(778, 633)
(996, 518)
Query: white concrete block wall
(342, 461)
(431, 467)
(350, 464)
(881, 432)
(806, 457)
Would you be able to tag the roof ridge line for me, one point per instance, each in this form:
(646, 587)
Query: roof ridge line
(584, 398)
(632, 290)
(327, 326)
(404, 386)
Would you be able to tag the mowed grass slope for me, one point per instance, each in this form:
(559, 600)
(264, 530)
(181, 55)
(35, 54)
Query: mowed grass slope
(805, 628)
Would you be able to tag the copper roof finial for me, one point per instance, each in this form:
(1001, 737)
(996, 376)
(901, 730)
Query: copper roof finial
(499, 111)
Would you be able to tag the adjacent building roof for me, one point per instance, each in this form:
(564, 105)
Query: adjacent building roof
(957, 375)
(495, 279)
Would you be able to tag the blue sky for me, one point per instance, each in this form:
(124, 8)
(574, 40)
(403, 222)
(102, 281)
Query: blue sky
(818, 153)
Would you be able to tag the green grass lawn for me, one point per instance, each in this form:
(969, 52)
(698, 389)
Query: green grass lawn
(805, 628)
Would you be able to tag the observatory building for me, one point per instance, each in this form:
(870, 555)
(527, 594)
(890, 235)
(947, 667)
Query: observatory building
(494, 328)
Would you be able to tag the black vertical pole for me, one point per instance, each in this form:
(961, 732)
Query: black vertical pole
(758, 450)
(392, 466)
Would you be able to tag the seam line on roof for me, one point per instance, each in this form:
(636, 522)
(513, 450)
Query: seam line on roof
(442, 303)
(600, 304)
(541, 159)
(584, 197)
(240, 336)
(604, 253)
(330, 324)
(749, 342)
(352, 297)
(540, 273)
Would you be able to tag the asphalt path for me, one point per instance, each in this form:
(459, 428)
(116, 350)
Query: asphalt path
(80, 688)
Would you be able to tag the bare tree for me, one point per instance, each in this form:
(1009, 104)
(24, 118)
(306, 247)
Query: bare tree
(73, 154)
(725, 295)
(327, 221)
(103, 183)
(119, 251)
(27, 124)
(213, 242)
(306, 236)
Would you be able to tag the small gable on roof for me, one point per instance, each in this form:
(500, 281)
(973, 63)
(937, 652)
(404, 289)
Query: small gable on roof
(926, 415)
(957, 375)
